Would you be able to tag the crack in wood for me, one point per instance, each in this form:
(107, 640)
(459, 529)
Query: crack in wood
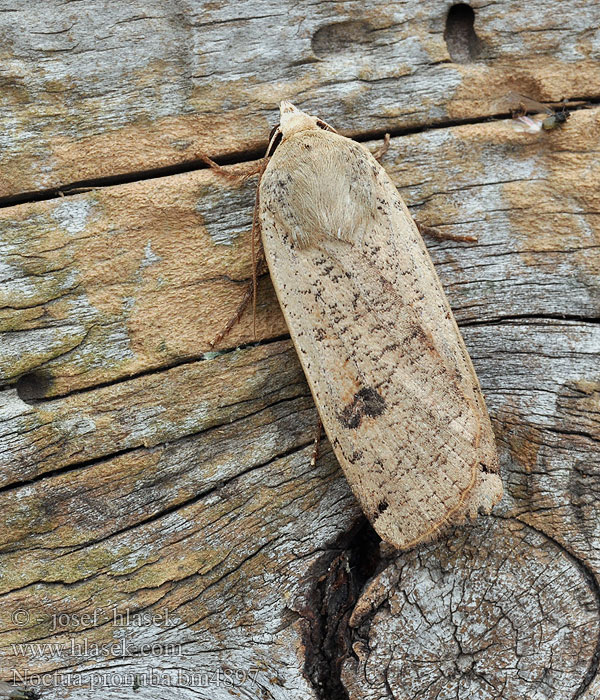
(84, 464)
(339, 577)
(242, 157)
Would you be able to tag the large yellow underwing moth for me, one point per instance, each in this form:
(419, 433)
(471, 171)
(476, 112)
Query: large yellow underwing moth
(388, 369)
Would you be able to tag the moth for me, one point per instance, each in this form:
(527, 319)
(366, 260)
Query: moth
(388, 369)
(545, 118)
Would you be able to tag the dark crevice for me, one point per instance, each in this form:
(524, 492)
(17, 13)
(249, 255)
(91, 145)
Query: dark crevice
(31, 386)
(462, 42)
(571, 433)
(80, 186)
(339, 579)
(571, 318)
(246, 156)
(379, 134)
(67, 468)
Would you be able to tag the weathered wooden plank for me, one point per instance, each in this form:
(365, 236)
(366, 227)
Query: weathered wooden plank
(525, 625)
(125, 279)
(146, 411)
(205, 565)
(97, 89)
(186, 490)
(228, 527)
(118, 280)
(537, 218)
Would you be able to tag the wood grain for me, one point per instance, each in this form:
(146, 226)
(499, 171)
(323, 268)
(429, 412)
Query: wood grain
(125, 279)
(140, 471)
(96, 89)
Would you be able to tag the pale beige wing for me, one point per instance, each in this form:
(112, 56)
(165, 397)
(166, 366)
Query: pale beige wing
(488, 488)
(380, 348)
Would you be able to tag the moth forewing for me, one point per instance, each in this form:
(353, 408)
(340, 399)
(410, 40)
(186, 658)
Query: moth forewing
(520, 104)
(389, 372)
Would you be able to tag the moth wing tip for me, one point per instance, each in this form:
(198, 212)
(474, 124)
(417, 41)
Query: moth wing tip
(486, 494)
(478, 499)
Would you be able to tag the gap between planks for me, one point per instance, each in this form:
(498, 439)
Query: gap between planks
(242, 157)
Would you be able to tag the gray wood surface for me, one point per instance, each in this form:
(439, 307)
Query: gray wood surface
(142, 472)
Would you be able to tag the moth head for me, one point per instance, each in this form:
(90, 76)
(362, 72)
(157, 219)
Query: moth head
(293, 120)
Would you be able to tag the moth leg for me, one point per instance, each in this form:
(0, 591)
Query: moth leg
(383, 149)
(75, 190)
(249, 296)
(436, 233)
(318, 434)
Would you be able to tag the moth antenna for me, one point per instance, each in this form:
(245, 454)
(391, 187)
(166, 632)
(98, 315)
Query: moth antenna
(235, 318)
(249, 294)
(442, 235)
(258, 264)
(257, 251)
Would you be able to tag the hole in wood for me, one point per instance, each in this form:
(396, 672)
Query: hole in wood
(341, 37)
(33, 386)
(462, 42)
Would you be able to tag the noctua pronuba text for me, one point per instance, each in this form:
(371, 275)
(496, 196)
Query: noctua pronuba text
(388, 369)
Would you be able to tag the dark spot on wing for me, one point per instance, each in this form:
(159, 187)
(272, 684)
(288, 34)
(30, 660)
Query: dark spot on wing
(355, 456)
(366, 402)
(382, 506)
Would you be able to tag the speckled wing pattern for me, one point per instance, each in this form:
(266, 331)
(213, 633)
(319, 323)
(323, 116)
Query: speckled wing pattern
(389, 372)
